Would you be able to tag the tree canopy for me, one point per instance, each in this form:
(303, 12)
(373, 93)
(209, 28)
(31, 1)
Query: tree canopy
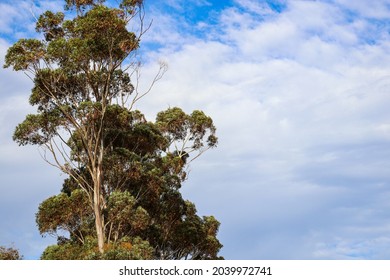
(122, 197)
(9, 253)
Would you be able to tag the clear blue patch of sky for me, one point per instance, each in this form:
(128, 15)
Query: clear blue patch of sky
(206, 11)
(277, 6)
(194, 12)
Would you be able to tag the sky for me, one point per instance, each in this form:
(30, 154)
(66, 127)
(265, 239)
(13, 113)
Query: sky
(300, 94)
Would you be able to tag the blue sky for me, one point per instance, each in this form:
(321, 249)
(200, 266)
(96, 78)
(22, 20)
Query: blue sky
(300, 94)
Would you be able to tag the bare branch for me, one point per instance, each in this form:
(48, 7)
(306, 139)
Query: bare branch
(162, 70)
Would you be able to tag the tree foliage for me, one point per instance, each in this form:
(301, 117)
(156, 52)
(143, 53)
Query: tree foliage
(9, 253)
(122, 198)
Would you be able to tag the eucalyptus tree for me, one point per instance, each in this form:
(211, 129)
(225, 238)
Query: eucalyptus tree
(124, 172)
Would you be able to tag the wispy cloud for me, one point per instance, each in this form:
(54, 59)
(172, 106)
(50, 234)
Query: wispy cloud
(299, 97)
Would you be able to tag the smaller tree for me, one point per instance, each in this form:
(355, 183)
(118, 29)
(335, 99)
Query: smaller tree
(9, 253)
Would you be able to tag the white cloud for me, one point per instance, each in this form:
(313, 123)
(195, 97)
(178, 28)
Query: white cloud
(299, 99)
(26, 179)
(24, 13)
(7, 15)
(379, 9)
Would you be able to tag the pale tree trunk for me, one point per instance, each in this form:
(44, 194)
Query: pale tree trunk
(99, 221)
(98, 202)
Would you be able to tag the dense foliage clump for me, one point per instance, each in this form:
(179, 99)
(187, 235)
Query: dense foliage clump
(9, 253)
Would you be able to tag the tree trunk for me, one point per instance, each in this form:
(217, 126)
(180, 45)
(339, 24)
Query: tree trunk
(98, 203)
(99, 224)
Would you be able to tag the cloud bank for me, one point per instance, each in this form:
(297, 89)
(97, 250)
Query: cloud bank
(299, 91)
